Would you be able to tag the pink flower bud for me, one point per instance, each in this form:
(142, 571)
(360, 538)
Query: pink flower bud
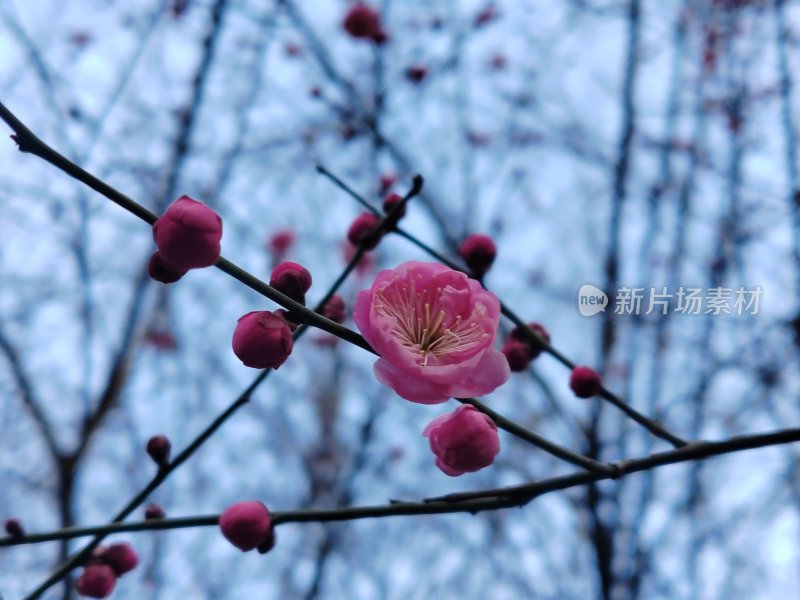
(363, 22)
(154, 511)
(279, 243)
(262, 340)
(246, 525)
(334, 309)
(390, 201)
(361, 230)
(386, 182)
(292, 279)
(416, 73)
(161, 272)
(517, 353)
(463, 441)
(161, 339)
(96, 581)
(585, 382)
(478, 251)
(517, 334)
(188, 235)
(158, 447)
(14, 528)
(121, 557)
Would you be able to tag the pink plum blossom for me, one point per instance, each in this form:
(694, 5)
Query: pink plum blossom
(463, 441)
(188, 235)
(434, 329)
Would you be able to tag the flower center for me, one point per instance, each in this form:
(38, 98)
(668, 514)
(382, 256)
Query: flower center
(420, 321)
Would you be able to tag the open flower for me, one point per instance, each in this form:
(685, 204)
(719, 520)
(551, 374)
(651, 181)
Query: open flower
(463, 441)
(434, 329)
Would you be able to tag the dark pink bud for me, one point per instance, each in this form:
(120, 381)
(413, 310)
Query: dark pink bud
(292, 279)
(517, 353)
(387, 181)
(486, 15)
(334, 309)
(293, 49)
(361, 230)
(498, 62)
(161, 339)
(478, 251)
(121, 557)
(392, 200)
(96, 581)
(14, 528)
(280, 242)
(188, 235)
(161, 272)
(158, 447)
(520, 336)
(246, 525)
(416, 73)
(362, 22)
(585, 382)
(262, 340)
(154, 511)
(463, 441)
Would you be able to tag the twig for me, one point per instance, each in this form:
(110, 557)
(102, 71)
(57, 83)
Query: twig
(472, 502)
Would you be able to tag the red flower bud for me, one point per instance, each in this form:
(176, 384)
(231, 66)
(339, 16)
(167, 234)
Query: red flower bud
(478, 251)
(154, 511)
(188, 235)
(334, 309)
(416, 73)
(121, 557)
(246, 525)
(361, 230)
(96, 581)
(158, 447)
(161, 272)
(387, 181)
(520, 336)
(280, 242)
(517, 353)
(292, 279)
(363, 22)
(14, 528)
(390, 201)
(262, 340)
(585, 382)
